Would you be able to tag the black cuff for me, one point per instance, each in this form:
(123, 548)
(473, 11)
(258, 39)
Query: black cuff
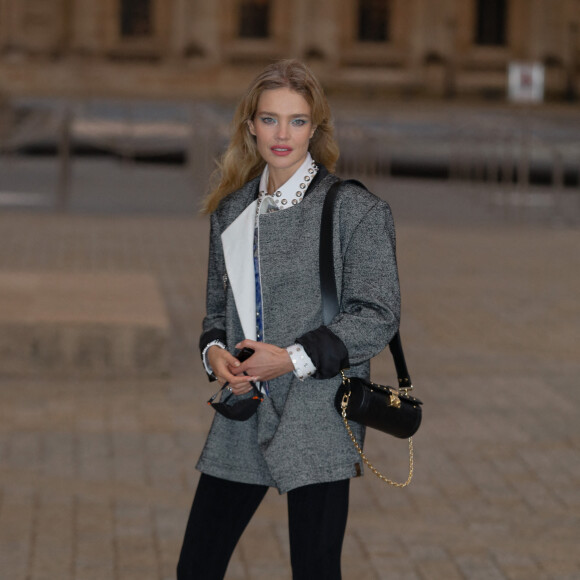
(210, 336)
(327, 352)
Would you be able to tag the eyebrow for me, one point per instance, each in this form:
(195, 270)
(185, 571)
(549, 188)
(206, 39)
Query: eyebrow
(295, 116)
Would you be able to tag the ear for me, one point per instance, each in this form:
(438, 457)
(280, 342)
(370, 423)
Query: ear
(313, 131)
(251, 127)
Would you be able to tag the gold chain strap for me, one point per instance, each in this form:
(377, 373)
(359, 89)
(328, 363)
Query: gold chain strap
(344, 405)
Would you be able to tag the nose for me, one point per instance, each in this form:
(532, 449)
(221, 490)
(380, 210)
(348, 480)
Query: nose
(282, 132)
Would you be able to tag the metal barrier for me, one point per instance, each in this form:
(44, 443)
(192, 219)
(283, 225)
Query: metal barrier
(516, 156)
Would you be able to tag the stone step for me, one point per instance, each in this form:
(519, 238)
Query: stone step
(95, 324)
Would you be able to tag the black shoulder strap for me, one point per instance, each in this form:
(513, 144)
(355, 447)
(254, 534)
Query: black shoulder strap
(330, 306)
(327, 280)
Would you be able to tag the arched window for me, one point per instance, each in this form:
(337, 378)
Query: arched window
(254, 19)
(491, 22)
(136, 18)
(373, 20)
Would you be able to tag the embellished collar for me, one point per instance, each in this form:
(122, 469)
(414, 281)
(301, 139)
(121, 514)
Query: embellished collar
(292, 192)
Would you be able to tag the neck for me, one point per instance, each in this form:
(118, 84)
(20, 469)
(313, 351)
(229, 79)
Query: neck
(277, 177)
(272, 185)
(275, 180)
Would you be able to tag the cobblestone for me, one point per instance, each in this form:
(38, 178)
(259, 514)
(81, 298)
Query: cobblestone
(97, 476)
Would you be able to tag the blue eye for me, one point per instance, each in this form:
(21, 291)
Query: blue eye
(299, 122)
(268, 120)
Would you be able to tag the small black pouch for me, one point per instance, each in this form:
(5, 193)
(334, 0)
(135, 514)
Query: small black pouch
(243, 409)
(240, 410)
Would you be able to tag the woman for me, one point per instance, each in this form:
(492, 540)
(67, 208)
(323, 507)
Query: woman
(263, 293)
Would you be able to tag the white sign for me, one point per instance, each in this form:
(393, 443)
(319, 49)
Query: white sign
(526, 82)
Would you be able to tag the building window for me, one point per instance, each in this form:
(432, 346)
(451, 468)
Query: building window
(136, 18)
(373, 20)
(491, 22)
(254, 19)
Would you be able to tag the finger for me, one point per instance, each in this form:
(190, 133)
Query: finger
(231, 360)
(226, 377)
(249, 366)
(243, 368)
(244, 372)
(242, 380)
(221, 366)
(247, 343)
(236, 369)
(241, 389)
(252, 370)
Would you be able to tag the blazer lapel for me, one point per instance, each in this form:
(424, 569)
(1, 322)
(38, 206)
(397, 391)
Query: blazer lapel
(238, 246)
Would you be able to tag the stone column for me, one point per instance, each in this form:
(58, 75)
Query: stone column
(86, 26)
(553, 48)
(534, 30)
(573, 45)
(179, 27)
(466, 26)
(405, 19)
(299, 36)
(204, 30)
(6, 19)
(432, 44)
(317, 25)
(518, 29)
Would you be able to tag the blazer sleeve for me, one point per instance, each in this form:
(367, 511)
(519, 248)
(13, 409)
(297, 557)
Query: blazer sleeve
(213, 325)
(370, 301)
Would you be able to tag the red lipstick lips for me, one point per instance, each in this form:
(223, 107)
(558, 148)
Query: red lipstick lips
(281, 150)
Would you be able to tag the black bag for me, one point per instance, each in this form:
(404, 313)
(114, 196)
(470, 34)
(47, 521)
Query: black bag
(388, 409)
(378, 406)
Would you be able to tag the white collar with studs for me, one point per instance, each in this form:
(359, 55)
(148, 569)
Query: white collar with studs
(292, 192)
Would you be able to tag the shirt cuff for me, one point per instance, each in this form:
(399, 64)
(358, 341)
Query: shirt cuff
(206, 365)
(303, 365)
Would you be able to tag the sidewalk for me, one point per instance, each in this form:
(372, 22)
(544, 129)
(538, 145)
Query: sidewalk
(96, 476)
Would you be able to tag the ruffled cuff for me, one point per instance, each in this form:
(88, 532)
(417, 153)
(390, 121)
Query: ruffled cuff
(206, 364)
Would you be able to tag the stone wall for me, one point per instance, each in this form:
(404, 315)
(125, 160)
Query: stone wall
(193, 47)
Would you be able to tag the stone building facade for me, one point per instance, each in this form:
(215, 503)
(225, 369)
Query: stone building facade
(210, 48)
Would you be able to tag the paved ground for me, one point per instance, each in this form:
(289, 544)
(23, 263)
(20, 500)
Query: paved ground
(96, 477)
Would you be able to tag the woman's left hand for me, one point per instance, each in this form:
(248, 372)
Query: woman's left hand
(267, 362)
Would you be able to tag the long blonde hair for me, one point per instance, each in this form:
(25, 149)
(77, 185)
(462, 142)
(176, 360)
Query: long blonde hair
(242, 162)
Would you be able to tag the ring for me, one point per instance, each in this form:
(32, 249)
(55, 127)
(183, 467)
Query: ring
(230, 389)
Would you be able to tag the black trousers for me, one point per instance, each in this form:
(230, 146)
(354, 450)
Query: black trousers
(222, 509)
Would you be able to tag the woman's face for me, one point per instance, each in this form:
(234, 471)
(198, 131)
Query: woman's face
(283, 128)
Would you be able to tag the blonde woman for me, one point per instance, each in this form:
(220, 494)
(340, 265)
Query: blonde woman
(278, 427)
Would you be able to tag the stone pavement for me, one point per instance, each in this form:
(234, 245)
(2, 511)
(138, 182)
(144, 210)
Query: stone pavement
(96, 476)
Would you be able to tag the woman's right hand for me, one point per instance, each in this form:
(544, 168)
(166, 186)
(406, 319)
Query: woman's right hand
(224, 366)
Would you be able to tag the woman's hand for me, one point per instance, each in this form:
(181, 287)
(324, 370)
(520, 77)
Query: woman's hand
(268, 361)
(226, 368)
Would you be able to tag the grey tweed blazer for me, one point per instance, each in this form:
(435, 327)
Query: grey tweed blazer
(297, 437)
